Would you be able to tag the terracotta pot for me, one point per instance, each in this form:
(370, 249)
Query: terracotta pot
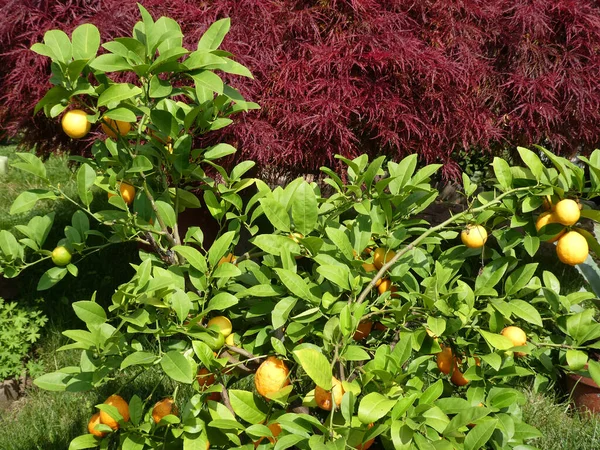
(585, 392)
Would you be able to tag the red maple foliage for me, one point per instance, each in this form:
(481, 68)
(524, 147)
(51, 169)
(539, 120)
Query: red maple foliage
(353, 76)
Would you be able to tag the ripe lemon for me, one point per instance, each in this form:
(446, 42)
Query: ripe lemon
(474, 236)
(95, 420)
(226, 259)
(386, 285)
(546, 218)
(222, 323)
(381, 256)
(275, 430)
(457, 376)
(61, 256)
(572, 248)
(163, 408)
(271, 376)
(108, 125)
(323, 397)
(205, 378)
(445, 360)
(567, 212)
(75, 124)
(548, 205)
(368, 267)
(230, 340)
(379, 326)
(363, 330)
(121, 405)
(516, 335)
(127, 192)
(367, 444)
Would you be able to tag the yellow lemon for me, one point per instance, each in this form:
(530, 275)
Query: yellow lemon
(546, 218)
(572, 248)
(474, 236)
(271, 376)
(323, 397)
(75, 124)
(567, 212)
(223, 323)
(112, 127)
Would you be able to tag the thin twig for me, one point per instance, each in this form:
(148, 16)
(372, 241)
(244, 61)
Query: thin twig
(225, 397)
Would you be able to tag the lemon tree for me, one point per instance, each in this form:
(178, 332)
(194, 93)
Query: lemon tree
(350, 320)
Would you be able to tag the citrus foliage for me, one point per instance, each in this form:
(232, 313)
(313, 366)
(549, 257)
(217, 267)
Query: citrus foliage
(426, 360)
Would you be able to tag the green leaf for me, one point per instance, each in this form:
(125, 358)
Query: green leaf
(276, 214)
(32, 164)
(221, 302)
(503, 173)
(531, 244)
(594, 369)
(295, 283)
(247, 406)
(55, 381)
(60, 44)
(432, 393)
(133, 442)
(83, 441)
(518, 279)
(177, 367)
(51, 277)
(140, 164)
(304, 209)
(355, 353)
(166, 212)
(208, 80)
(193, 256)
(480, 434)
(532, 161)
(576, 359)
(90, 312)
(116, 93)
(275, 244)
(122, 114)
(497, 341)
(212, 38)
(525, 311)
(340, 275)
(282, 310)
(86, 176)
(86, 41)
(373, 407)
(219, 151)
(316, 366)
(28, 199)
(181, 304)
(341, 240)
(138, 359)
(220, 248)
(9, 246)
(136, 410)
(44, 50)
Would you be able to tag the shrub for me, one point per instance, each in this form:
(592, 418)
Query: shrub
(429, 359)
(433, 78)
(20, 327)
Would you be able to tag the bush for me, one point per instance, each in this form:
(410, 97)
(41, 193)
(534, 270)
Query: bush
(432, 78)
(20, 327)
(354, 319)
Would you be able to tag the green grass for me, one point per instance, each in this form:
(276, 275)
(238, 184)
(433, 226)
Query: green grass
(561, 426)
